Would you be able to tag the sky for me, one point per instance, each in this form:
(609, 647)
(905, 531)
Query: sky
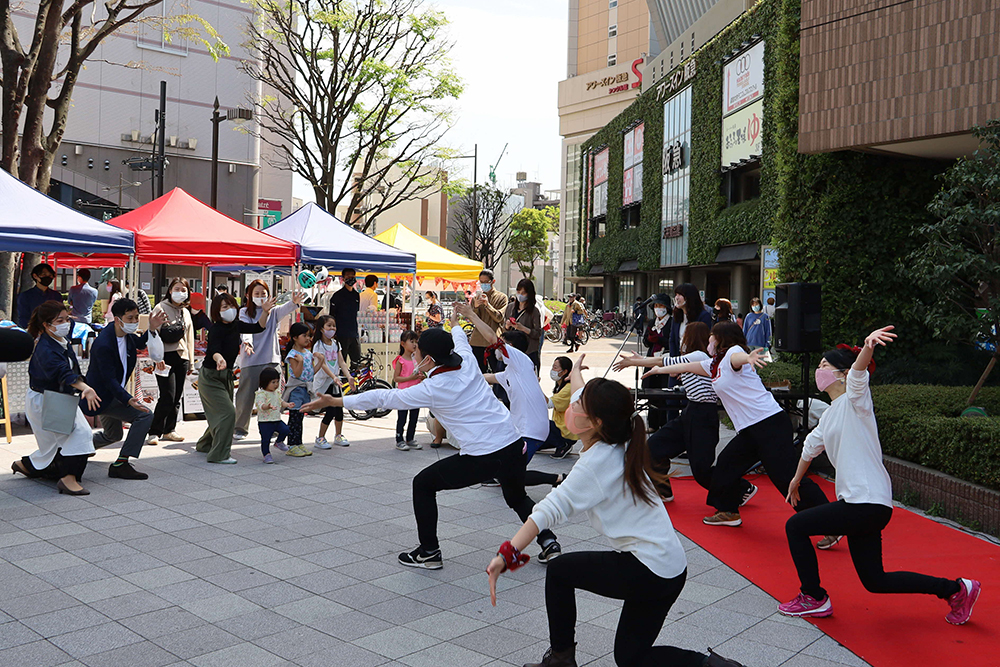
(511, 56)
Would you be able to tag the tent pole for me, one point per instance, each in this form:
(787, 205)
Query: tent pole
(413, 302)
(388, 307)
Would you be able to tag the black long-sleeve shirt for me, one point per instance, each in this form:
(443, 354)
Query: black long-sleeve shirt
(224, 339)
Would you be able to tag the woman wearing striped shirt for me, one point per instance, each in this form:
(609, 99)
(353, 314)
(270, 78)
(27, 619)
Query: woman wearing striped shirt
(697, 428)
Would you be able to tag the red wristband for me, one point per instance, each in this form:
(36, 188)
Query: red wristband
(511, 556)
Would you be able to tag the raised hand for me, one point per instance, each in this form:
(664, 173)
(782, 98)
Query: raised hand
(757, 358)
(880, 337)
(298, 298)
(268, 305)
(156, 320)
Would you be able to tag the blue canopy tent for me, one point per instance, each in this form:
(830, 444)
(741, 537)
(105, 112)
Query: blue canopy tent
(327, 241)
(33, 222)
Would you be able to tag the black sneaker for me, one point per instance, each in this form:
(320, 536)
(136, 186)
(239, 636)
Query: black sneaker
(549, 551)
(562, 450)
(125, 471)
(420, 558)
(748, 495)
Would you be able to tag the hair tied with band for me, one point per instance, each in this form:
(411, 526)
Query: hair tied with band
(855, 350)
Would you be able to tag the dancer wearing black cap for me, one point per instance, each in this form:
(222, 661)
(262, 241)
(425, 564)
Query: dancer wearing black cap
(476, 421)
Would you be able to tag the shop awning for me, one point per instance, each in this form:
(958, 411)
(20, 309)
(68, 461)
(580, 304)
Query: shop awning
(325, 240)
(178, 229)
(631, 265)
(433, 261)
(744, 252)
(597, 270)
(33, 222)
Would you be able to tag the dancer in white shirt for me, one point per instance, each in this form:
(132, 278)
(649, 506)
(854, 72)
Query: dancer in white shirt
(763, 431)
(477, 422)
(848, 433)
(612, 483)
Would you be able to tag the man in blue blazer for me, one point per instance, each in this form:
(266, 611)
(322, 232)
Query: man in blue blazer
(112, 360)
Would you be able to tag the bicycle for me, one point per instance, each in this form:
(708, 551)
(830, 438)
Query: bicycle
(365, 373)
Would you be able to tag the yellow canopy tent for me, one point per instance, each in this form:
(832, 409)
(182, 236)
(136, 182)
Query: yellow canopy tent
(433, 261)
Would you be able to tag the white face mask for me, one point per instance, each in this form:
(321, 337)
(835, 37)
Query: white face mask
(756, 309)
(228, 315)
(554, 374)
(329, 333)
(179, 296)
(130, 327)
(259, 301)
(522, 297)
(679, 301)
(660, 312)
(486, 287)
(62, 330)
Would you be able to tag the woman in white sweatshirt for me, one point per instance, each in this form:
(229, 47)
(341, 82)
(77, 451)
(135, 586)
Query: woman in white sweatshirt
(848, 433)
(612, 482)
(260, 350)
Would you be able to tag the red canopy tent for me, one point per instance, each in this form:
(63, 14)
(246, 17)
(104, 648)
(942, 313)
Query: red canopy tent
(178, 229)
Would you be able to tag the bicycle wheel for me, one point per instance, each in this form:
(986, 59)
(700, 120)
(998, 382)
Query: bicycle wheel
(554, 334)
(362, 415)
(583, 335)
(596, 330)
(379, 384)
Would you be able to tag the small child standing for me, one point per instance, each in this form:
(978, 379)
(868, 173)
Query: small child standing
(405, 374)
(327, 381)
(301, 368)
(269, 404)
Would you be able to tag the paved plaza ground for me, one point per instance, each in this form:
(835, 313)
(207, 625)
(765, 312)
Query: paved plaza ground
(256, 565)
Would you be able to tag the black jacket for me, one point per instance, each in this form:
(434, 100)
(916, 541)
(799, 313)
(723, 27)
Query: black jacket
(106, 374)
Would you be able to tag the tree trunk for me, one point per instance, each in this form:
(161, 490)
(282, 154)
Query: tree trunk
(8, 262)
(982, 378)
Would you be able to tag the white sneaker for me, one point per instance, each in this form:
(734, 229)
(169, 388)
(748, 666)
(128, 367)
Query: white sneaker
(239, 436)
(321, 443)
(413, 444)
(341, 441)
(152, 440)
(229, 461)
(173, 436)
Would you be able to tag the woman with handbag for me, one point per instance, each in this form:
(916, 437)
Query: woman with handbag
(178, 345)
(63, 434)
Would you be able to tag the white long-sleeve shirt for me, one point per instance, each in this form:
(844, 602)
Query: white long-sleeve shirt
(849, 434)
(528, 406)
(596, 485)
(265, 343)
(461, 400)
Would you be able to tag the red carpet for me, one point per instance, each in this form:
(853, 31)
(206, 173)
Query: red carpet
(885, 630)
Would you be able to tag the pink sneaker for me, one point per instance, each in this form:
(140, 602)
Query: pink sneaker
(806, 605)
(281, 447)
(963, 601)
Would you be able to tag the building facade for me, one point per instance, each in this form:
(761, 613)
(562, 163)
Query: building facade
(787, 147)
(113, 120)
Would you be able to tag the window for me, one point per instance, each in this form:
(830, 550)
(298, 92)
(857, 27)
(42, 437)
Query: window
(612, 60)
(742, 184)
(153, 36)
(613, 30)
(598, 227)
(676, 179)
(631, 217)
(612, 4)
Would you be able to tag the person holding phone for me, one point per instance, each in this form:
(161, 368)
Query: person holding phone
(524, 315)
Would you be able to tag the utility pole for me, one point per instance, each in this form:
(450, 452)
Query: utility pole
(161, 138)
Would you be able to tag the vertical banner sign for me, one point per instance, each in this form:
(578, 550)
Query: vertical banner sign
(270, 210)
(743, 80)
(632, 177)
(601, 183)
(768, 277)
(629, 148)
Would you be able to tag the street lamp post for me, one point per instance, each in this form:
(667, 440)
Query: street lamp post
(239, 116)
(122, 184)
(475, 200)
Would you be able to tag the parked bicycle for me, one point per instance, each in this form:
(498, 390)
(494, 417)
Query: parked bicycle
(365, 373)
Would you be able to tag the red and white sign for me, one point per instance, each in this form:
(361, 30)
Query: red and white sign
(743, 80)
(627, 188)
(601, 167)
(639, 130)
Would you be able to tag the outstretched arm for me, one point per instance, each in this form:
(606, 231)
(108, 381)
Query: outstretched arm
(877, 337)
(632, 359)
(482, 327)
(693, 367)
(755, 358)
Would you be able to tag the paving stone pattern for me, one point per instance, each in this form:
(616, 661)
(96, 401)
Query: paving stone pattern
(257, 565)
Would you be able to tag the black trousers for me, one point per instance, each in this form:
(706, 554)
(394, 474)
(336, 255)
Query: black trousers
(695, 431)
(334, 413)
(620, 576)
(460, 471)
(401, 416)
(863, 524)
(59, 468)
(571, 337)
(171, 389)
(351, 348)
(112, 414)
(770, 442)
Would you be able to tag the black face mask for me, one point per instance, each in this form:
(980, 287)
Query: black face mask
(350, 281)
(45, 280)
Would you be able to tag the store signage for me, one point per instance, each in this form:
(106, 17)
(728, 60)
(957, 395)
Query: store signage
(270, 212)
(673, 232)
(620, 82)
(601, 167)
(673, 157)
(743, 80)
(632, 177)
(741, 134)
(676, 80)
(600, 193)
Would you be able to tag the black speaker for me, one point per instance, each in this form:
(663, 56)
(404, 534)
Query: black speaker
(797, 317)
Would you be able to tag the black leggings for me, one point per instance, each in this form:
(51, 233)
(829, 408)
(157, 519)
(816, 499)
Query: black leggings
(863, 524)
(59, 468)
(332, 414)
(770, 442)
(695, 431)
(171, 389)
(620, 576)
(411, 431)
(460, 471)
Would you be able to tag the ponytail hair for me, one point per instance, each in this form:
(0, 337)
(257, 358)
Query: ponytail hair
(611, 404)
